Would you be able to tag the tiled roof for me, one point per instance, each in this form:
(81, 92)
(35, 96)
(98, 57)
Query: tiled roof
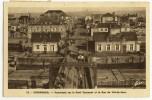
(52, 11)
(108, 15)
(22, 17)
(45, 37)
(100, 37)
(130, 36)
(141, 38)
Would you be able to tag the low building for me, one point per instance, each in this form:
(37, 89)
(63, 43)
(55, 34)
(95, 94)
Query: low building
(122, 42)
(24, 19)
(100, 28)
(45, 42)
(133, 17)
(96, 18)
(114, 28)
(125, 27)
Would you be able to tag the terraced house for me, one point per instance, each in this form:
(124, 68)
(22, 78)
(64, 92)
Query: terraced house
(45, 42)
(45, 28)
(121, 42)
(50, 21)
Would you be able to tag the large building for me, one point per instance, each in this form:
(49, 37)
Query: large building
(50, 21)
(45, 42)
(45, 28)
(122, 42)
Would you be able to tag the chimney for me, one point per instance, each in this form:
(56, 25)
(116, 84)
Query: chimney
(113, 13)
(113, 16)
(128, 15)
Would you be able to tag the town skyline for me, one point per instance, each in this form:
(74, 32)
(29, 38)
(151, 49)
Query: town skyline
(141, 11)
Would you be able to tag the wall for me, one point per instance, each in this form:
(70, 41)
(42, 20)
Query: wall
(127, 43)
(47, 28)
(105, 19)
(114, 31)
(41, 47)
(99, 30)
(127, 29)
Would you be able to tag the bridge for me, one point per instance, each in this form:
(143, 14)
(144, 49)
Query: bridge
(70, 75)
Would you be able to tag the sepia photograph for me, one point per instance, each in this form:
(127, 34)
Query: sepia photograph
(76, 47)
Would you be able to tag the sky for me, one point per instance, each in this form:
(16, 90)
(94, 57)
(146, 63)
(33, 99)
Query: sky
(101, 9)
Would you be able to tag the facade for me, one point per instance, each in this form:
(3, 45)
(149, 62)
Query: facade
(109, 18)
(50, 21)
(45, 28)
(114, 28)
(100, 28)
(125, 27)
(24, 19)
(96, 18)
(45, 42)
(133, 17)
(122, 42)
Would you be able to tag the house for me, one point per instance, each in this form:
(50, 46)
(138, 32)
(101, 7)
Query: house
(109, 18)
(88, 20)
(45, 28)
(45, 42)
(114, 28)
(133, 17)
(54, 16)
(24, 19)
(50, 21)
(122, 42)
(125, 27)
(96, 18)
(100, 28)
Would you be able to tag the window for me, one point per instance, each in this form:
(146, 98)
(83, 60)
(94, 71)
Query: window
(99, 47)
(131, 47)
(106, 29)
(51, 47)
(108, 47)
(37, 46)
(117, 47)
(101, 29)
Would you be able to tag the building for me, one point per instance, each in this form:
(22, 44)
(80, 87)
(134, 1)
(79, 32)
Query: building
(114, 28)
(88, 20)
(45, 28)
(125, 27)
(122, 42)
(100, 28)
(24, 19)
(96, 18)
(51, 21)
(45, 42)
(28, 79)
(109, 18)
(133, 17)
(54, 16)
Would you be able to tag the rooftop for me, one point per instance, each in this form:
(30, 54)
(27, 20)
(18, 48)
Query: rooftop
(108, 15)
(103, 36)
(45, 37)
